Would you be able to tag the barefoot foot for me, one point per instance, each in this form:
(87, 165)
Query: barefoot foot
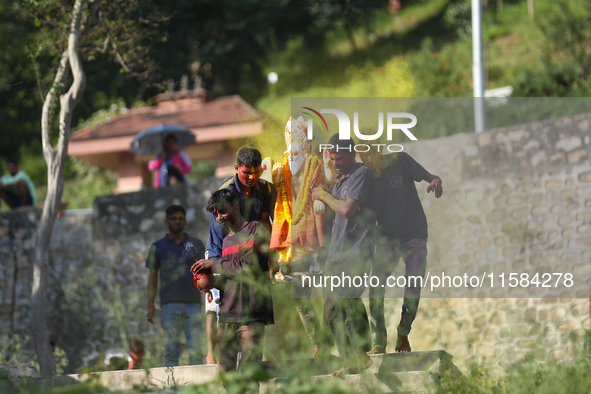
(377, 349)
(345, 371)
(364, 361)
(402, 344)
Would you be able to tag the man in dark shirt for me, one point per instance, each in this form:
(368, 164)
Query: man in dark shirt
(403, 229)
(179, 299)
(256, 204)
(353, 200)
(246, 305)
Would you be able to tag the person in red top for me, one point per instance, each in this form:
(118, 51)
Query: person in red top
(246, 305)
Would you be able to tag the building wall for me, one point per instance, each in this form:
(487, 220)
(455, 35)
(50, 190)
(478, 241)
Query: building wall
(515, 200)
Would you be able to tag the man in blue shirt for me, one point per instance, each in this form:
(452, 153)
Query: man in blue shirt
(179, 298)
(403, 227)
(255, 197)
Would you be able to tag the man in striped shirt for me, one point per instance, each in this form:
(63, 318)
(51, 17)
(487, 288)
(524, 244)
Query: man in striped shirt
(245, 301)
(256, 204)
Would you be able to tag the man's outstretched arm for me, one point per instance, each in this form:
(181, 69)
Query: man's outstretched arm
(435, 184)
(346, 208)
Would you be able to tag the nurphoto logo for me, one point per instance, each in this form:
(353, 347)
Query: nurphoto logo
(345, 128)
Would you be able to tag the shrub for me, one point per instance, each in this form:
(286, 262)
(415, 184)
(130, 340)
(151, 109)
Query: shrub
(441, 74)
(458, 15)
(549, 81)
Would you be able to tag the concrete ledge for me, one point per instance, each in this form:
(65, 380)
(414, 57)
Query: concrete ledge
(391, 372)
(156, 378)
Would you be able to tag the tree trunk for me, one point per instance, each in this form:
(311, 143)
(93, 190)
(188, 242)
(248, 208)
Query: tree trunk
(55, 157)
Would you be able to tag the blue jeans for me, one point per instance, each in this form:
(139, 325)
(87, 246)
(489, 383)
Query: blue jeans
(187, 317)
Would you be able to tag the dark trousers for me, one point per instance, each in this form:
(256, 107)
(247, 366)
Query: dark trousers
(347, 319)
(14, 200)
(414, 254)
(237, 337)
(303, 303)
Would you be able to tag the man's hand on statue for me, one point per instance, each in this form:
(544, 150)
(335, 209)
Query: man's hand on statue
(201, 265)
(326, 157)
(318, 193)
(319, 207)
(277, 172)
(436, 187)
(329, 171)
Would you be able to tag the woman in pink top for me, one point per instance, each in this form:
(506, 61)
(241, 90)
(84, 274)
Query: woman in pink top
(171, 165)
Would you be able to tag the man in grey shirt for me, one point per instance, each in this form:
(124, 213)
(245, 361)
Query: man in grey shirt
(353, 200)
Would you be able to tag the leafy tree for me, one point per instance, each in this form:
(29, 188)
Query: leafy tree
(458, 15)
(18, 89)
(228, 42)
(114, 51)
(115, 26)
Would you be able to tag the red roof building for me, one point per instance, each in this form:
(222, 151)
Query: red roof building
(214, 123)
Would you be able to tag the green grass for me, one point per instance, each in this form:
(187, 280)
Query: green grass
(416, 36)
(552, 377)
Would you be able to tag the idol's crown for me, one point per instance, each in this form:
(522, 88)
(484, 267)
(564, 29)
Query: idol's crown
(296, 131)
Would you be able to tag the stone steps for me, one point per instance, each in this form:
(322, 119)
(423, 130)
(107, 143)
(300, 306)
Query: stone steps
(415, 372)
(391, 372)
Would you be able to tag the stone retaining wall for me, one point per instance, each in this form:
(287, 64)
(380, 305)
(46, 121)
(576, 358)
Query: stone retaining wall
(98, 275)
(516, 199)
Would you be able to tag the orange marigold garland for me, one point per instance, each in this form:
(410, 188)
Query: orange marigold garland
(306, 189)
(303, 197)
(286, 190)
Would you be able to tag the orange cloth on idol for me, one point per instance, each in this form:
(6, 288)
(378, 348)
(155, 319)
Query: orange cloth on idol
(309, 231)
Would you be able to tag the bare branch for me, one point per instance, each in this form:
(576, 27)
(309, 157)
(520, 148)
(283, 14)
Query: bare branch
(36, 68)
(147, 22)
(117, 55)
(70, 99)
(7, 87)
(49, 104)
